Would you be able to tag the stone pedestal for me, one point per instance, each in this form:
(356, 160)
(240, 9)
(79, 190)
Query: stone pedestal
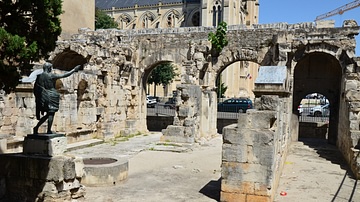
(45, 144)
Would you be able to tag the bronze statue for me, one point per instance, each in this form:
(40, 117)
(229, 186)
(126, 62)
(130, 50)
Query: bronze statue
(46, 96)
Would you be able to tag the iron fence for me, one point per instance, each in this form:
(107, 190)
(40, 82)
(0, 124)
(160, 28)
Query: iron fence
(161, 109)
(306, 117)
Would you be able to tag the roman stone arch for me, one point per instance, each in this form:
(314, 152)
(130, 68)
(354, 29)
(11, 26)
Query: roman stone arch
(68, 59)
(320, 72)
(241, 54)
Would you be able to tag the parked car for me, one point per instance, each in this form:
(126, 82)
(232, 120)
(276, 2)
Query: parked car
(300, 109)
(235, 105)
(170, 104)
(150, 101)
(320, 110)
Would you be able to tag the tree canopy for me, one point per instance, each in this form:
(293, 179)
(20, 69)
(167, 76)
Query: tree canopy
(28, 32)
(162, 74)
(103, 21)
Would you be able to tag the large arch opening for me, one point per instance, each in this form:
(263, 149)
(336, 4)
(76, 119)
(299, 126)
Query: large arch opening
(317, 74)
(68, 59)
(235, 84)
(159, 98)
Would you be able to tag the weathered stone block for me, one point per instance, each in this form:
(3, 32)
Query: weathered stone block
(69, 169)
(45, 144)
(235, 173)
(267, 102)
(232, 197)
(174, 131)
(353, 95)
(257, 119)
(79, 167)
(257, 198)
(248, 137)
(355, 137)
(354, 125)
(234, 153)
(3, 145)
(354, 106)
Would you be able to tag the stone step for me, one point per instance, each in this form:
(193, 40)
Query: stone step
(83, 144)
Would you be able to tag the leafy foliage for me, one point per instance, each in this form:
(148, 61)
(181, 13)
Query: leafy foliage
(221, 88)
(162, 74)
(218, 39)
(103, 21)
(28, 32)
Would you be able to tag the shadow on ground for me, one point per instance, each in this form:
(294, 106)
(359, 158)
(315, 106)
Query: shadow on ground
(212, 189)
(332, 154)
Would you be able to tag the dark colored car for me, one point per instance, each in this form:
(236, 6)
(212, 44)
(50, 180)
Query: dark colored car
(170, 104)
(235, 105)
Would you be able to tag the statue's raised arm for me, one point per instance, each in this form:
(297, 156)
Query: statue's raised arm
(46, 96)
(60, 76)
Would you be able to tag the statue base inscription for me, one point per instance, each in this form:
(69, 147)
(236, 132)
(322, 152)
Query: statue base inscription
(45, 144)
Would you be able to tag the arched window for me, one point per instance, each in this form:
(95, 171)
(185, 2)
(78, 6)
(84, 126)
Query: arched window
(170, 20)
(217, 13)
(195, 20)
(214, 16)
(123, 22)
(146, 20)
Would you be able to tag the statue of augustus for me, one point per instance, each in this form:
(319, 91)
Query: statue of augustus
(46, 96)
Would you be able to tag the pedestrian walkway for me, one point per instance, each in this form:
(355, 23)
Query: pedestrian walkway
(314, 172)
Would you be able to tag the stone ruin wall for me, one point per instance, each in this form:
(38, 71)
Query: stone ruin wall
(254, 151)
(106, 97)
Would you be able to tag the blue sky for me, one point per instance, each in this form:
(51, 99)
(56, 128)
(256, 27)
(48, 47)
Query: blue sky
(289, 11)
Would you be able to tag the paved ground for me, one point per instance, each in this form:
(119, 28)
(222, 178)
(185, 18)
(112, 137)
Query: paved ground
(314, 171)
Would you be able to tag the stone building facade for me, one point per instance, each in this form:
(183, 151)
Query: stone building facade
(77, 14)
(238, 77)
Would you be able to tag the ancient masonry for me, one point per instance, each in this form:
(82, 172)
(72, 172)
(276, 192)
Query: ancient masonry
(109, 93)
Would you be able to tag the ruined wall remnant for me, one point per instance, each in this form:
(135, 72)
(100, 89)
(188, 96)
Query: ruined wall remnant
(41, 178)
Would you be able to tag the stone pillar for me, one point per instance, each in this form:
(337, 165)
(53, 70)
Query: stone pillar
(249, 158)
(187, 117)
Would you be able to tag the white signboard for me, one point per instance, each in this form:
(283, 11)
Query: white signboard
(271, 75)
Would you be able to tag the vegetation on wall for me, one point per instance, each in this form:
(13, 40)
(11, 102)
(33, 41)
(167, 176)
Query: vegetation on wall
(218, 39)
(103, 21)
(163, 74)
(28, 32)
(221, 88)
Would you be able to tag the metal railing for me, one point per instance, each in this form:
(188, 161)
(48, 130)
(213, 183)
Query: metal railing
(161, 109)
(306, 117)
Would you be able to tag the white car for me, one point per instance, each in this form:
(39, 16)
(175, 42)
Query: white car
(150, 101)
(320, 110)
(300, 109)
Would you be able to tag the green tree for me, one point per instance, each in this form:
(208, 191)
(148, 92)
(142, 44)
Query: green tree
(162, 74)
(221, 88)
(103, 21)
(28, 32)
(218, 39)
